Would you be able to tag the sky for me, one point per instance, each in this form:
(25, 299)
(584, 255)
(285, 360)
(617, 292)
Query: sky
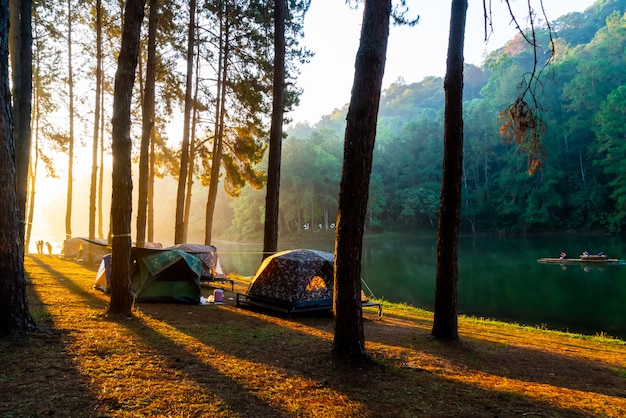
(332, 31)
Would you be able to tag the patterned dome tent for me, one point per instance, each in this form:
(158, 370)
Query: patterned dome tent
(300, 278)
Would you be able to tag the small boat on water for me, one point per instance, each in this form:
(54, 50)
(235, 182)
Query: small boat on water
(590, 259)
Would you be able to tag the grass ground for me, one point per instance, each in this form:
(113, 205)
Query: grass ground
(223, 361)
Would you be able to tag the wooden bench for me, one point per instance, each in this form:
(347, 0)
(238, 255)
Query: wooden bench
(376, 304)
(220, 279)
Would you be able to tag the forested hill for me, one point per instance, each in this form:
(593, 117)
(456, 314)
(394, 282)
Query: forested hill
(580, 185)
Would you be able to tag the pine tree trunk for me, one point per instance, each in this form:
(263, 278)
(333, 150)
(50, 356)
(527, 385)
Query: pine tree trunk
(349, 341)
(32, 183)
(184, 155)
(70, 164)
(22, 87)
(121, 200)
(270, 240)
(188, 193)
(192, 150)
(150, 214)
(445, 325)
(216, 161)
(101, 175)
(147, 127)
(14, 314)
(93, 192)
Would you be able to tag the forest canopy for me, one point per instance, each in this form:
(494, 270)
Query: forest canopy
(579, 186)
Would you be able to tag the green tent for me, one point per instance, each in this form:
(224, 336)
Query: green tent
(166, 276)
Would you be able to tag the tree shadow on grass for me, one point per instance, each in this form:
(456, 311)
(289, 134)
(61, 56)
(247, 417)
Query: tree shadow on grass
(300, 348)
(215, 391)
(218, 359)
(39, 375)
(512, 361)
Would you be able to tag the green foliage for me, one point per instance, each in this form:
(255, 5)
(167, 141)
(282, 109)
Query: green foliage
(419, 202)
(376, 202)
(580, 184)
(610, 129)
(248, 214)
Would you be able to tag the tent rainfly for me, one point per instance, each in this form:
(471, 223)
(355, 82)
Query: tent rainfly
(167, 276)
(293, 280)
(212, 270)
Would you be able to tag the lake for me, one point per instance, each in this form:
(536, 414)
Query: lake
(499, 277)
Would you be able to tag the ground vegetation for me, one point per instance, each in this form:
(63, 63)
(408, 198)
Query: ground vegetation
(220, 360)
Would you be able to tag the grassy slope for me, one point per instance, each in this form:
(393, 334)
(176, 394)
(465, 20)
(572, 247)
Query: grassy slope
(219, 360)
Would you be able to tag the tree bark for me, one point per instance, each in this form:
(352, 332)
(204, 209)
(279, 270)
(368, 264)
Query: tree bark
(150, 214)
(14, 314)
(270, 240)
(216, 161)
(101, 174)
(349, 341)
(147, 127)
(445, 325)
(70, 164)
(192, 150)
(121, 201)
(21, 34)
(93, 192)
(184, 155)
(32, 182)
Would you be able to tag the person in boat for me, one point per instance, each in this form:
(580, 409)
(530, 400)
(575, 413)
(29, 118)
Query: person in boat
(585, 253)
(600, 254)
(563, 255)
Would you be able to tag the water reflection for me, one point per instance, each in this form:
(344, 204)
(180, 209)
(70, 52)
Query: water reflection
(498, 277)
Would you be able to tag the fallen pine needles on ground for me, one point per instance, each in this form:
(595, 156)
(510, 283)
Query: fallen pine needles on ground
(224, 361)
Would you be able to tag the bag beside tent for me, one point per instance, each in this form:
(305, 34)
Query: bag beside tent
(293, 280)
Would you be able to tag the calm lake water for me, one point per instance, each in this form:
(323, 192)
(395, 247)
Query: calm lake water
(499, 278)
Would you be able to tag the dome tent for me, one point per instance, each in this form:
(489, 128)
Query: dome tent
(158, 275)
(166, 276)
(293, 280)
(171, 274)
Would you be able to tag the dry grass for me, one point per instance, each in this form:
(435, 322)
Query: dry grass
(222, 361)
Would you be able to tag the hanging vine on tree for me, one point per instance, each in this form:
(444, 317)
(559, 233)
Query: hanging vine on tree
(523, 122)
